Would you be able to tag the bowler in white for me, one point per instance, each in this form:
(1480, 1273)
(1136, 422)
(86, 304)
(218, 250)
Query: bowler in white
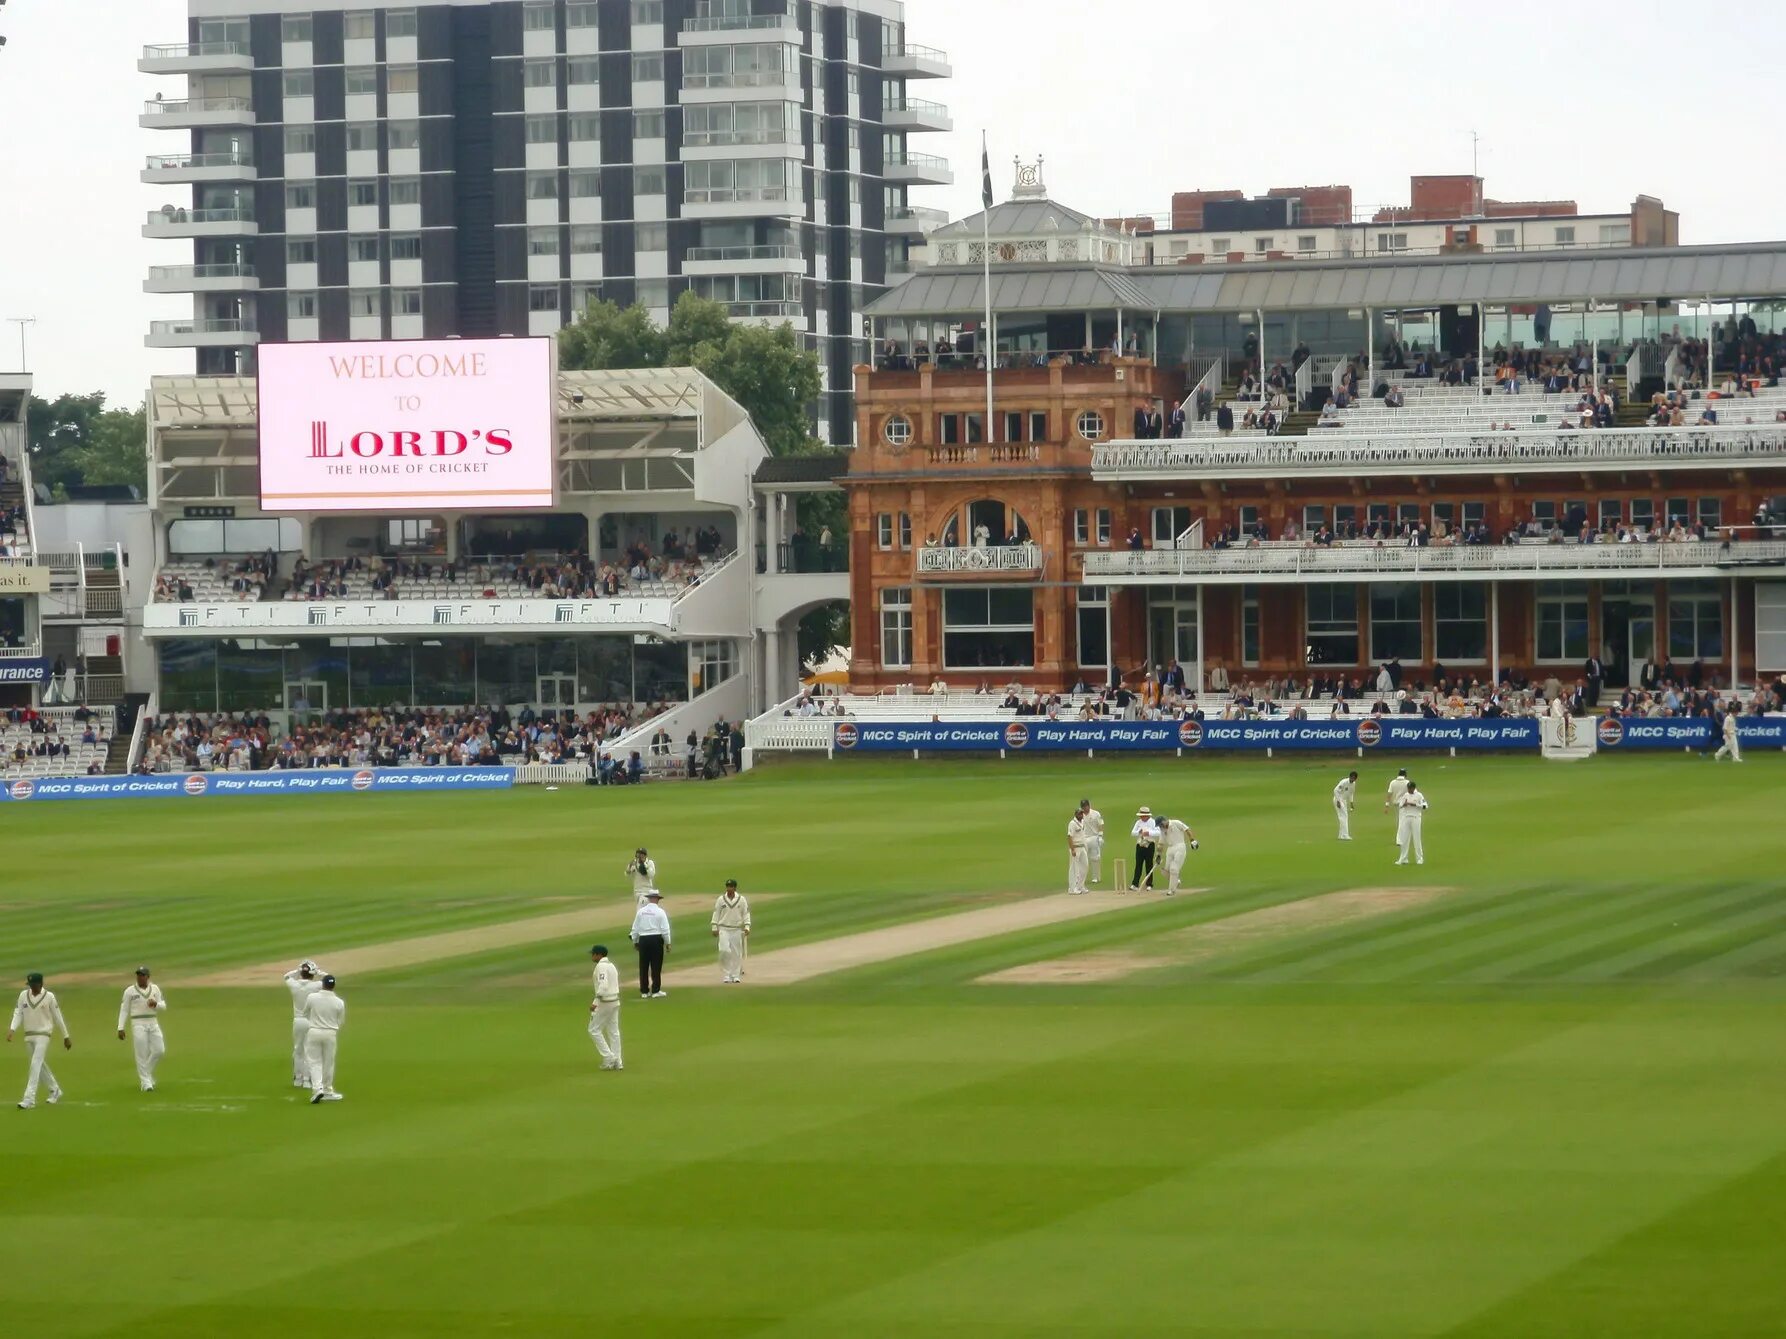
(325, 1011)
(731, 926)
(140, 1012)
(1345, 800)
(1077, 851)
(604, 1009)
(1392, 802)
(1176, 837)
(302, 981)
(39, 1015)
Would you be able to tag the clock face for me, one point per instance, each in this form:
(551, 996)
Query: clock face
(1006, 251)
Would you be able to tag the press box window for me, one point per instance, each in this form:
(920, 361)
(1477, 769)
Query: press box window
(989, 629)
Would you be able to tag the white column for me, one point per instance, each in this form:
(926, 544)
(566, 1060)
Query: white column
(1109, 645)
(1494, 632)
(1370, 351)
(773, 517)
(772, 667)
(1730, 634)
(1199, 665)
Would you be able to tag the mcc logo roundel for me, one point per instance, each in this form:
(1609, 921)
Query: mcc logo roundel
(20, 789)
(1190, 733)
(196, 784)
(1016, 735)
(845, 737)
(362, 780)
(1611, 731)
(1370, 732)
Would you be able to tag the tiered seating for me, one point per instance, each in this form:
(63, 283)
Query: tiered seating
(63, 728)
(492, 581)
(211, 581)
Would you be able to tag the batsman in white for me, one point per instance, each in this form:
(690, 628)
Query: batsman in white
(604, 1009)
(324, 1011)
(1345, 800)
(1094, 842)
(731, 926)
(39, 1014)
(140, 1010)
(1176, 838)
(303, 981)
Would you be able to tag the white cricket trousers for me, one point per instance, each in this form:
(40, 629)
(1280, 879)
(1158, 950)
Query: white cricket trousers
(1731, 749)
(731, 954)
(604, 1031)
(1076, 866)
(150, 1046)
(1345, 819)
(319, 1055)
(1094, 858)
(37, 1052)
(1408, 838)
(1174, 865)
(300, 1066)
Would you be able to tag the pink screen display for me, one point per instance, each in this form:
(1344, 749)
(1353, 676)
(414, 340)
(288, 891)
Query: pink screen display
(408, 425)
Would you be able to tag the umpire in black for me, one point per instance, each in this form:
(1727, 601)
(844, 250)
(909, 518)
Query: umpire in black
(651, 934)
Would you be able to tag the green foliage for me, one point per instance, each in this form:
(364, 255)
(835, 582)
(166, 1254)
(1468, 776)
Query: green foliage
(76, 440)
(764, 369)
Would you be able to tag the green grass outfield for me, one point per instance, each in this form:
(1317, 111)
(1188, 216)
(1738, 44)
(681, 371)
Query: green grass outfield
(1549, 1104)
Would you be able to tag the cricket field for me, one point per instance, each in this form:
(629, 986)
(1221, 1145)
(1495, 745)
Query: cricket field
(1535, 1088)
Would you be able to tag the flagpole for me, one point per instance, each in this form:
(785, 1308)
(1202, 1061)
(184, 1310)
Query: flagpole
(986, 261)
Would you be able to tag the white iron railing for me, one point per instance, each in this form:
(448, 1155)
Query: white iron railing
(990, 558)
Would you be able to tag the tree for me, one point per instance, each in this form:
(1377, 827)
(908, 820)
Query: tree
(76, 440)
(606, 335)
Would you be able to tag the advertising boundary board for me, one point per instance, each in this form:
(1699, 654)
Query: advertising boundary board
(1027, 735)
(1620, 734)
(316, 781)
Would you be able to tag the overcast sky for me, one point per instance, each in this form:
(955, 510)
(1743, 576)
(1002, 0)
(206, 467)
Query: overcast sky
(1128, 100)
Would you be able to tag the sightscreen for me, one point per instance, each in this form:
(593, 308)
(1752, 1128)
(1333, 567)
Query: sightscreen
(406, 425)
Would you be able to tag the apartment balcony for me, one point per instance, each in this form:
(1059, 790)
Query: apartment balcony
(176, 168)
(218, 333)
(767, 313)
(170, 221)
(916, 114)
(196, 113)
(915, 220)
(744, 260)
(742, 202)
(744, 86)
(196, 58)
(917, 169)
(201, 279)
(1292, 563)
(918, 62)
(725, 29)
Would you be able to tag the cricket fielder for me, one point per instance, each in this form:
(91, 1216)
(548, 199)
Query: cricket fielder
(604, 1009)
(39, 1014)
(1176, 837)
(140, 1010)
(644, 876)
(1413, 809)
(1345, 800)
(1731, 748)
(303, 982)
(1078, 847)
(731, 926)
(1392, 802)
(1094, 842)
(325, 1012)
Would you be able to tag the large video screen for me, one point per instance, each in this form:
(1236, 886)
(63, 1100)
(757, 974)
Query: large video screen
(406, 425)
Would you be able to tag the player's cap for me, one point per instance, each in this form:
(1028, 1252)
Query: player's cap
(598, 948)
(731, 883)
(654, 893)
(1401, 771)
(34, 979)
(142, 971)
(329, 982)
(1083, 804)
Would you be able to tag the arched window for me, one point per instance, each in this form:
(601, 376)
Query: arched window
(984, 522)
